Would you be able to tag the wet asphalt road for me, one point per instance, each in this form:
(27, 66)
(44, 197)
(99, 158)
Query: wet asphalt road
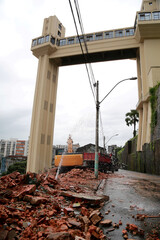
(132, 193)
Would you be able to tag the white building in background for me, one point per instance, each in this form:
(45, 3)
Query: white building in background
(13, 147)
(7, 147)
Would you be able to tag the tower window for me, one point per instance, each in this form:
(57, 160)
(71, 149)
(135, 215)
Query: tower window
(60, 26)
(59, 33)
(52, 40)
(150, 3)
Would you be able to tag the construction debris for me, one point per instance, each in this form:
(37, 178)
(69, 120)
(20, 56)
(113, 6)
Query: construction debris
(133, 229)
(36, 206)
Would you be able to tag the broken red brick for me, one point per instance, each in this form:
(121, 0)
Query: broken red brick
(124, 231)
(96, 235)
(68, 210)
(35, 200)
(59, 236)
(106, 222)
(95, 219)
(133, 227)
(85, 220)
(92, 228)
(74, 222)
(120, 222)
(125, 236)
(84, 211)
(23, 190)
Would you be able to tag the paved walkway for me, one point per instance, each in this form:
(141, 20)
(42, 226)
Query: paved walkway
(132, 193)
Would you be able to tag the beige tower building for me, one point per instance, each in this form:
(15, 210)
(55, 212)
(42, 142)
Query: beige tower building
(43, 115)
(140, 42)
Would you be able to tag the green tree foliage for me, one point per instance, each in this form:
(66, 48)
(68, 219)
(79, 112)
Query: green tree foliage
(153, 101)
(119, 149)
(132, 118)
(18, 166)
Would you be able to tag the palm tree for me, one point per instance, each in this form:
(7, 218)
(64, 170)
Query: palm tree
(132, 118)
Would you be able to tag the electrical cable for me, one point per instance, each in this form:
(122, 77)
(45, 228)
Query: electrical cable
(86, 57)
(82, 49)
(83, 33)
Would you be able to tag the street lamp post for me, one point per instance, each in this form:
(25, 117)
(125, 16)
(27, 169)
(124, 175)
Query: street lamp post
(112, 137)
(97, 120)
(97, 132)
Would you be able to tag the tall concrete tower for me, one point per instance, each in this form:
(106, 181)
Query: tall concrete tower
(43, 114)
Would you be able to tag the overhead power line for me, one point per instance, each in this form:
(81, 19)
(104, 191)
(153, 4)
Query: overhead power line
(85, 43)
(85, 59)
(90, 73)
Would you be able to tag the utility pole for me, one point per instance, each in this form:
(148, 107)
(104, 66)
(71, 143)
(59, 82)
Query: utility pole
(97, 121)
(97, 132)
(104, 145)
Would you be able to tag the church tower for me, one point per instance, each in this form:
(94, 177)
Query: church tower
(70, 144)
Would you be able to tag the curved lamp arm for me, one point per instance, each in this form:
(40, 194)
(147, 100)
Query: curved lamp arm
(132, 78)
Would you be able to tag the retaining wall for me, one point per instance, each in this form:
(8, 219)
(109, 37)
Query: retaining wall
(146, 161)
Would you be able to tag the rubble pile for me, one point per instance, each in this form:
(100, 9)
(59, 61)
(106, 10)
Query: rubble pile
(79, 180)
(36, 206)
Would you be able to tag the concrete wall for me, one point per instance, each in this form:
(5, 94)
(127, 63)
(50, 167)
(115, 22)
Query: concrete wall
(147, 160)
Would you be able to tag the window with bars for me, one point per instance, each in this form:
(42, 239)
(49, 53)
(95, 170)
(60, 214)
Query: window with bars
(108, 35)
(99, 36)
(144, 16)
(41, 40)
(47, 38)
(81, 39)
(129, 32)
(156, 15)
(34, 42)
(62, 42)
(70, 41)
(119, 33)
(89, 38)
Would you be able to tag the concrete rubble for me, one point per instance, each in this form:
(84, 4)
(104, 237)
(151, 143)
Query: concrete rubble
(36, 206)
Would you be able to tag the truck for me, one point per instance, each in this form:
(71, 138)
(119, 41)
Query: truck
(82, 160)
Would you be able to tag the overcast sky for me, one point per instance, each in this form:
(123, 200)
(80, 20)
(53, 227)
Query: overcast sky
(20, 22)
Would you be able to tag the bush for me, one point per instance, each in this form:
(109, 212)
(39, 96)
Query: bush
(18, 166)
